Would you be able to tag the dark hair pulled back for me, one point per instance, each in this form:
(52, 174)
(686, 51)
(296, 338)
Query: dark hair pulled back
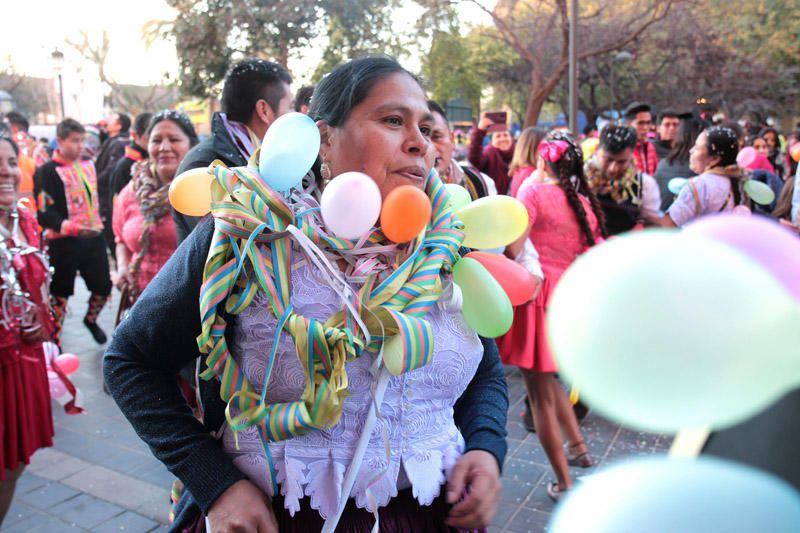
(348, 85)
(570, 165)
(179, 119)
(723, 142)
(13, 144)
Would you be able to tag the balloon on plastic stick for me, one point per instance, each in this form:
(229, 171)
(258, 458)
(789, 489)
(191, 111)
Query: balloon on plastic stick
(289, 149)
(459, 196)
(406, 212)
(665, 332)
(486, 307)
(666, 495)
(518, 284)
(350, 205)
(493, 221)
(774, 247)
(190, 192)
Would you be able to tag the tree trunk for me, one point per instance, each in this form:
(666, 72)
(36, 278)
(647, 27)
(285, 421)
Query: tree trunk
(283, 56)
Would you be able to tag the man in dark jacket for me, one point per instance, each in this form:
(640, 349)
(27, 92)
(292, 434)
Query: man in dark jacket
(135, 151)
(256, 92)
(668, 122)
(111, 151)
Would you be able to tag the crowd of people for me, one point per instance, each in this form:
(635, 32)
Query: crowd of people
(108, 218)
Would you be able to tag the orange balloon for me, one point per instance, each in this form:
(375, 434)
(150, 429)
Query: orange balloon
(405, 213)
(190, 192)
(516, 281)
(794, 151)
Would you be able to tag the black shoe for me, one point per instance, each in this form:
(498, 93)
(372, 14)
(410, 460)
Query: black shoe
(97, 333)
(527, 417)
(581, 411)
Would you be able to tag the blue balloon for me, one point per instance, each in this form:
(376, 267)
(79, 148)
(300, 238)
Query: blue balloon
(664, 494)
(288, 151)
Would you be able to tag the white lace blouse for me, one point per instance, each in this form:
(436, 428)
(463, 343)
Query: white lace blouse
(417, 407)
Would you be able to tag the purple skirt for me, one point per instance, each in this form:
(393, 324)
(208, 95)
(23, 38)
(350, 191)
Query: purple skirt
(403, 514)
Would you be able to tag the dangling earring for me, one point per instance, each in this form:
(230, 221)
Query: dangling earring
(325, 171)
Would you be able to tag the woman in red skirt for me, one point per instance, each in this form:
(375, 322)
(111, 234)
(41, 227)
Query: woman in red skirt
(565, 219)
(26, 422)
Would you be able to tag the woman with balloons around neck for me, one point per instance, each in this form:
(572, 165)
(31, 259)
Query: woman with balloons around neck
(565, 219)
(318, 328)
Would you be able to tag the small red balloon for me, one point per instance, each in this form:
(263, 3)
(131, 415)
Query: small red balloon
(405, 213)
(518, 283)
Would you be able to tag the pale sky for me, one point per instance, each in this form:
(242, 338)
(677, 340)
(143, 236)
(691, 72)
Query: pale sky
(29, 38)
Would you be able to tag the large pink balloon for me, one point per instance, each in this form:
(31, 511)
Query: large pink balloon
(771, 245)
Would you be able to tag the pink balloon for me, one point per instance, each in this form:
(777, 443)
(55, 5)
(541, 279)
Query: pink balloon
(68, 363)
(774, 247)
(57, 389)
(746, 157)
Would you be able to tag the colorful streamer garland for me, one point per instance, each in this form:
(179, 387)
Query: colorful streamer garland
(251, 250)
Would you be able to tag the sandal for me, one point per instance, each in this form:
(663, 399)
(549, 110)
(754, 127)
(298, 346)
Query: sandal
(582, 460)
(555, 492)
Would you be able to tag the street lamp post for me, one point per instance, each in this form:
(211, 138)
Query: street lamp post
(58, 66)
(573, 68)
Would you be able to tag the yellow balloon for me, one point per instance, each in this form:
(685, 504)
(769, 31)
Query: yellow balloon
(493, 221)
(190, 192)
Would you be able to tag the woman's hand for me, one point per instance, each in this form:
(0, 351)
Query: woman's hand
(484, 122)
(243, 508)
(476, 477)
(122, 278)
(32, 333)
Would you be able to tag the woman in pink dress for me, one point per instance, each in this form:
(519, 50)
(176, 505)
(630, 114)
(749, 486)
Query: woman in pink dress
(26, 422)
(565, 220)
(143, 227)
(526, 158)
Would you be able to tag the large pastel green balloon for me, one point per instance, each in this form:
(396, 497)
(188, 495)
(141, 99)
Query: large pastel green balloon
(485, 307)
(493, 221)
(759, 192)
(662, 332)
(667, 495)
(459, 196)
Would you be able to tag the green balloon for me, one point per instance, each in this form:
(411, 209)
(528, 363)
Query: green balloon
(662, 332)
(459, 196)
(759, 192)
(485, 307)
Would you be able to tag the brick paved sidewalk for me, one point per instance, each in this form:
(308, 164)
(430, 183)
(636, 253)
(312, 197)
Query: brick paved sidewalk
(100, 477)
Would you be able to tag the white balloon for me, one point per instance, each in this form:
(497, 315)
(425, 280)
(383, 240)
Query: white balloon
(350, 205)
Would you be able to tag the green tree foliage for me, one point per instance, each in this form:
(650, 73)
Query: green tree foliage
(210, 34)
(449, 71)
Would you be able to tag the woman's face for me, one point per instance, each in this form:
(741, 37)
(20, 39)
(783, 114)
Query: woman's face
(168, 145)
(771, 140)
(502, 141)
(699, 158)
(9, 175)
(761, 147)
(386, 136)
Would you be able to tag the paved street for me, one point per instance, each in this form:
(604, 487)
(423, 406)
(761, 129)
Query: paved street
(100, 477)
